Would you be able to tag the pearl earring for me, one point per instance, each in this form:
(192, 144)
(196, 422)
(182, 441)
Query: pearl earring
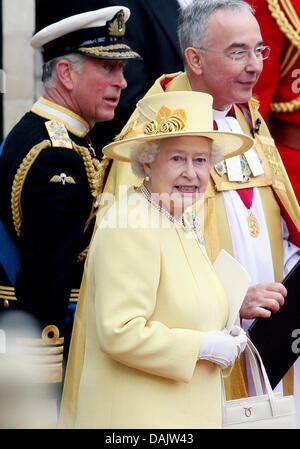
(147, 178)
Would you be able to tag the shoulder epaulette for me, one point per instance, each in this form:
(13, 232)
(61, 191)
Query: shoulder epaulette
(58, 134)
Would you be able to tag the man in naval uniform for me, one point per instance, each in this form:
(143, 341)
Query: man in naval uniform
(50, 180)
(251, 210)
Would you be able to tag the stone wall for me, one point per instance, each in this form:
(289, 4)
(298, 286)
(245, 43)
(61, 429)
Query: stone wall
(19, 60)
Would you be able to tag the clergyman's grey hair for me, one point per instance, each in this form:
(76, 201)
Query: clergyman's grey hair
(49, 75)
(194, 18)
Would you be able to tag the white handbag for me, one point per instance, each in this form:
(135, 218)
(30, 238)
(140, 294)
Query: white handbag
(263, 411)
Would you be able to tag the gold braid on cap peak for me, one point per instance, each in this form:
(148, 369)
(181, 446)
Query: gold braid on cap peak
(99, 52)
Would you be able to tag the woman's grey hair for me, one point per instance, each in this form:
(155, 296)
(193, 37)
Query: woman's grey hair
(142, 154)
(49, 77)
(146, 153)
(194, 18)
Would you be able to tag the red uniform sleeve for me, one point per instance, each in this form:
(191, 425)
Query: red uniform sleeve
(273, 37)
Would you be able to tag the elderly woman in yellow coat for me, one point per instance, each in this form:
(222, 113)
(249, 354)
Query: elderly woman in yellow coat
(156, 311)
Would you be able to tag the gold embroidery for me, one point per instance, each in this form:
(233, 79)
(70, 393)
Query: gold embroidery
(253, 224)
(273, 159)
(97, 52)
(58, 134)
(106, 47)
(116, 27)
(52, 115)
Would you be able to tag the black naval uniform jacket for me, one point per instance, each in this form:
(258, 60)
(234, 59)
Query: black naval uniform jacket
(55, 202)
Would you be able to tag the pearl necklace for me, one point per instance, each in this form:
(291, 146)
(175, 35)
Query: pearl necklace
(195, 220)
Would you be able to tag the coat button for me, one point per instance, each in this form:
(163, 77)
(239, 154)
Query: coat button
(6, 303)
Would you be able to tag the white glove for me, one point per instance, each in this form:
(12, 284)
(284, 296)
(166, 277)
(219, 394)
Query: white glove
(237, 331)
(222, 347)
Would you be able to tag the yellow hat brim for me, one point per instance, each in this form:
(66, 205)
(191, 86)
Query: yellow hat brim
(230, 144)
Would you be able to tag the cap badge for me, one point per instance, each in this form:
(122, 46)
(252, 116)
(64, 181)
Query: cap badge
(116, 26)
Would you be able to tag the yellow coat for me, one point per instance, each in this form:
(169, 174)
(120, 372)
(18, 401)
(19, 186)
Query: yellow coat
(277, 195)
(150, 290)
(216, 232)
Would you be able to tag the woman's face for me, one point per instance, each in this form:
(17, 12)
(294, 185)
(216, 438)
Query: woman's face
(180, 172)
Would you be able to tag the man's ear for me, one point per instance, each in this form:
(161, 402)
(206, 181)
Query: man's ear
(64, 73)
(193, 59)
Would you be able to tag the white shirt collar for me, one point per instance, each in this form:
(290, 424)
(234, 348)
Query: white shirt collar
(50, 110)
(221, 114)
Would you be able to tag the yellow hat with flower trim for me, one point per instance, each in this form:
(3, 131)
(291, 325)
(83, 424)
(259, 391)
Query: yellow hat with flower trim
(174, 114)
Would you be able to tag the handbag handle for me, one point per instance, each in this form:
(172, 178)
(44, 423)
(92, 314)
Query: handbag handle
(252, 352)
(255, 372)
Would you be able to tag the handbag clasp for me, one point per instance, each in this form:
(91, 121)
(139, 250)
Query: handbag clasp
(248, 411)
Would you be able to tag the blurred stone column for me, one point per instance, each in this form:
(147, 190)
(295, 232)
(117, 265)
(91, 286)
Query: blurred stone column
(28, 392)
(18, 60)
